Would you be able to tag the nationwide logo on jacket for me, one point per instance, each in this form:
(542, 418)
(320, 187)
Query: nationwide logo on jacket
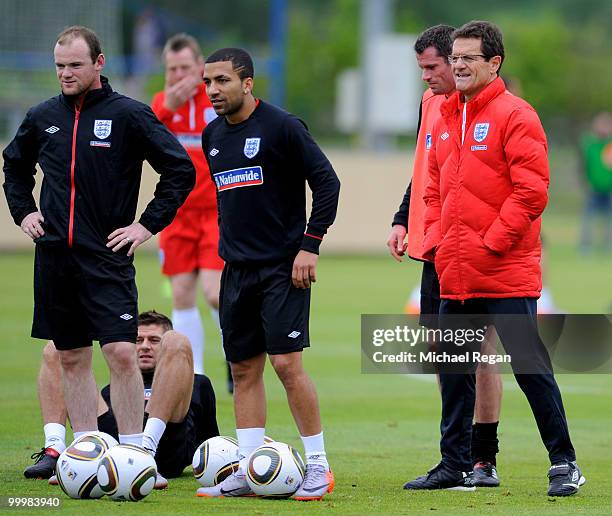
(238, 178)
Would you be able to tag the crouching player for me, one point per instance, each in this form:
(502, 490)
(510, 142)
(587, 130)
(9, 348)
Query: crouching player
(179, 406)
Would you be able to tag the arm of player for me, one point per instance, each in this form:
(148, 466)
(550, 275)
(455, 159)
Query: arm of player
(396, 241)
(402, 213)
(433, 206)
(205, 134)
(132, 235)
(170, 160)
(304, 271)
(525, 148)
(161, 111)
(180, 92)
(322, 180)
(19, 170)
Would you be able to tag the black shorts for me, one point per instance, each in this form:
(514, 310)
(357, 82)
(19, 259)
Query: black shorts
(81, 296)
(430, 296)
(261, 311)
(176, 447)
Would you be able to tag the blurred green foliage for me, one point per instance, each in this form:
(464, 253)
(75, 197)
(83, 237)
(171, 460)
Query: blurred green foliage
(322, 42)
(560, 51)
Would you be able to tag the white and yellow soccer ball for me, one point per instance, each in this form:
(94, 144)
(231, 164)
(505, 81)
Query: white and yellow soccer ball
(276, 470)
(108, 440)
(77, 465)
(127, 473)
(214, 460)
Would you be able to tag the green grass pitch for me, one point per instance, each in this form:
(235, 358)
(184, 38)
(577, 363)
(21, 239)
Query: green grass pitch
(381, 430)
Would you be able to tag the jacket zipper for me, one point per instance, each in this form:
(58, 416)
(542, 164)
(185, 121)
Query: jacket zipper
(459, 180)
(192, 114)
(77, 114)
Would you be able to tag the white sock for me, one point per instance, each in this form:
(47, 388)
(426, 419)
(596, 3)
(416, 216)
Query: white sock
(135, 439)
(55, 436)
(248, 440)
(314, 449)
(189, 323)
(152, 433)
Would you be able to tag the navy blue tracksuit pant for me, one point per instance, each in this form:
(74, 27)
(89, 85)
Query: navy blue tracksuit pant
(520, 339)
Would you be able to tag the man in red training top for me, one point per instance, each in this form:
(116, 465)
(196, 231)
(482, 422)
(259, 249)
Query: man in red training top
(188, 246)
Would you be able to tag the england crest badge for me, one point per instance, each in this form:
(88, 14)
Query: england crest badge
(427, 141)
(102, 128)
(251, 147)
(481, 131)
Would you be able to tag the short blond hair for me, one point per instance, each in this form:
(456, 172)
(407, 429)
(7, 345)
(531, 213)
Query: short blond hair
(180, 41)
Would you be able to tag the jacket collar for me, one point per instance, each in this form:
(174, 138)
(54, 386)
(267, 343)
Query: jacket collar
(454, 103)
(93, 96)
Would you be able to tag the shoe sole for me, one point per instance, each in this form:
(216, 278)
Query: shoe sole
(202, 495)
(575, 486)
(486, 483)
(459, 488)
(581, 482)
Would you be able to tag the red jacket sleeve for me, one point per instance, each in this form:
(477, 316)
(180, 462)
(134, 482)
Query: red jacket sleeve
(161, 111)
(525, 148)
(433, 209)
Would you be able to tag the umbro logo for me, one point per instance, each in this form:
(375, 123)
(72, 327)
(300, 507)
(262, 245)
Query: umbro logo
(52, 129)
(126, 317)
(444, 136)
(214, 152)
(294, 334)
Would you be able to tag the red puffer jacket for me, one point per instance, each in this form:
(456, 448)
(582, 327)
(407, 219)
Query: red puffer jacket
(485, 196)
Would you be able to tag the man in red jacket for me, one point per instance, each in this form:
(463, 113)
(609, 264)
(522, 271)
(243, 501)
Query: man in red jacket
(486, 192)
(188, 246)
(432, 49)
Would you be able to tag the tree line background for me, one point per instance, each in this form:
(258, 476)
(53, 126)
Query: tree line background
(560, 50)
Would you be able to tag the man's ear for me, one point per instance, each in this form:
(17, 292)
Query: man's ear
(100, 62)
(247, 85)
(495, 62)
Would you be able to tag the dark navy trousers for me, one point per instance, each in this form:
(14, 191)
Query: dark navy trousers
(520, 338)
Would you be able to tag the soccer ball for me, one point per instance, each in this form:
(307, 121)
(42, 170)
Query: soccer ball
(215, 460)
(77, 466)
(127, 473)
(108, 440)
(276, 470)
